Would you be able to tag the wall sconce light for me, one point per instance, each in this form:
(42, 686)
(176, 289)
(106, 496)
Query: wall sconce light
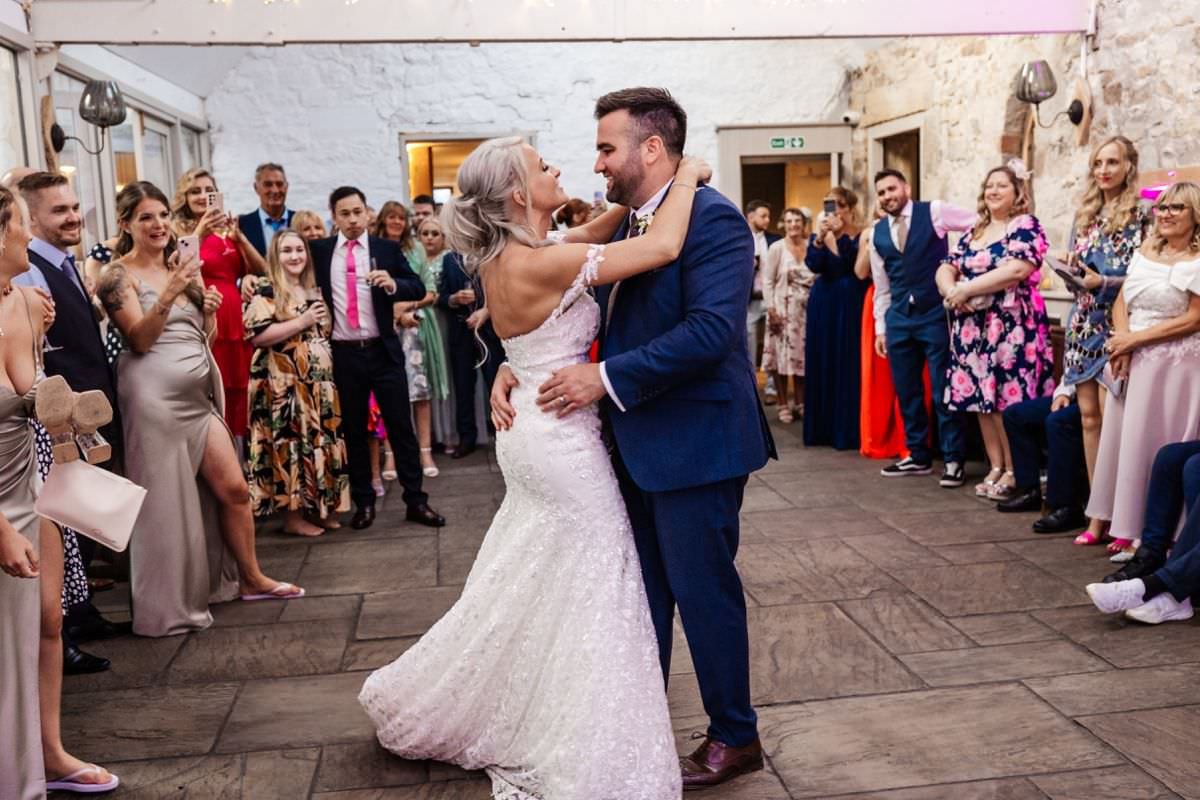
(1035, 83)
(101, 105)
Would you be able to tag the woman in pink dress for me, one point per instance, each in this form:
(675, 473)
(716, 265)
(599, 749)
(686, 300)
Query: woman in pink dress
(227, 257)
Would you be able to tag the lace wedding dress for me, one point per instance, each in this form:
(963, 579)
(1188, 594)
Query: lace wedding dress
(545, 672)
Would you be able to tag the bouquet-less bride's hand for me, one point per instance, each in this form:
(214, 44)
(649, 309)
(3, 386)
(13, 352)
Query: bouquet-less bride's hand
(693, 171)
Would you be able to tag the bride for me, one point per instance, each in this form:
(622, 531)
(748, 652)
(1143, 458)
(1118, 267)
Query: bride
(546, 671)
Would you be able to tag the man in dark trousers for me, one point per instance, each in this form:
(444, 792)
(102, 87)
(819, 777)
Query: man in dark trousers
(361, 278)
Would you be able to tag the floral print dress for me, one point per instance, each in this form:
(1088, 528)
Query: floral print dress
(1000, 355)
(1090, 320)
(296, 455)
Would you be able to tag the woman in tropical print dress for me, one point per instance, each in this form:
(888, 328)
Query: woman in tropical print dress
(296, 454)
(1000, 352)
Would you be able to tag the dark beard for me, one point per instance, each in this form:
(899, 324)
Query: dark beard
(626, 183)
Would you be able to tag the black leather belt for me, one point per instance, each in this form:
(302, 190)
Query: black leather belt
(357, 344)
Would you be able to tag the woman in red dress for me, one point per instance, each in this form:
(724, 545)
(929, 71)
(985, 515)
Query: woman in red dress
(227, 257)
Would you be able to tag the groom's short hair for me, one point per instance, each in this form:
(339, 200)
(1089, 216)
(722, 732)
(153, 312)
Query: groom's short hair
(654, 113)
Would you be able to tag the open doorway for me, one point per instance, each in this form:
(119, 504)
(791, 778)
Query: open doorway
(433, 166)
(792, 181)
(902, 151)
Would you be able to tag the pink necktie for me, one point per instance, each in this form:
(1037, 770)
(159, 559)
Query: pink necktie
(351, 286)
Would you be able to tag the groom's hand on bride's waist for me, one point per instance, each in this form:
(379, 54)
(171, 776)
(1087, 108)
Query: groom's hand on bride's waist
(576, 386)
(502, 410)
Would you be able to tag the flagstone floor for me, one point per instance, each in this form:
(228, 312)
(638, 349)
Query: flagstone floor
(907, 643)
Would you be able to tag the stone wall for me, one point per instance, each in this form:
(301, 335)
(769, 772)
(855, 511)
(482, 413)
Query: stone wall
(1139, 78)
(332, 114)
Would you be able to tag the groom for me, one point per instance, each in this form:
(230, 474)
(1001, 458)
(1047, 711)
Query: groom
(681, 410)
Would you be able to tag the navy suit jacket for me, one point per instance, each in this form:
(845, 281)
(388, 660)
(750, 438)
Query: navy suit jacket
(251, 225)
(387, 255)
(675, 353)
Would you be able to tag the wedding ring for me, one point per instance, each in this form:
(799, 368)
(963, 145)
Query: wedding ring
(562, 399)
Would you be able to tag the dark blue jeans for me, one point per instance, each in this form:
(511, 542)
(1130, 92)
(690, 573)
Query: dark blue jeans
(912, 342)
(1038, 436)
(1174, 483)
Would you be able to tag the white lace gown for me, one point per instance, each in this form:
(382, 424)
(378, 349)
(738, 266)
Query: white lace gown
(545, 672)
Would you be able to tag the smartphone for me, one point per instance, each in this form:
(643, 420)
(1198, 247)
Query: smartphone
(598, 197)
(830, 207)
(189, 248)
(217, 200)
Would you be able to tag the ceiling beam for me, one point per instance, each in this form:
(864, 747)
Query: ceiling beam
(251, 22)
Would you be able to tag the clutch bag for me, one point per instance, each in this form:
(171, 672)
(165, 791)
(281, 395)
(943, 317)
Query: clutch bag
(91, 501)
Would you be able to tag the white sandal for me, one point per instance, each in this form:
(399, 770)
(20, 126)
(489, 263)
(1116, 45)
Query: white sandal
(429, 472)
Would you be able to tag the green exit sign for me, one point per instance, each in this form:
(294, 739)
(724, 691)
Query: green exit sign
(787, 143)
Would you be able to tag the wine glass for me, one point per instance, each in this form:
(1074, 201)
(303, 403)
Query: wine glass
(312, 295)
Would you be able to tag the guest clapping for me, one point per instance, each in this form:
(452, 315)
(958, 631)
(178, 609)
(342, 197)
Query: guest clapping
(786, 284)
(1000, 336)
(177, 445)
(297, 458)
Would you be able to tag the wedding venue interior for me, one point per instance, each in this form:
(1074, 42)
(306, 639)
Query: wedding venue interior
(909, 637)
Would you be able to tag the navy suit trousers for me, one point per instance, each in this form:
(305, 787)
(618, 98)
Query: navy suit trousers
(1033, 430)
(912, 342)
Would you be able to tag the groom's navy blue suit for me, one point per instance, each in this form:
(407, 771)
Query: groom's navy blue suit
(692, 431)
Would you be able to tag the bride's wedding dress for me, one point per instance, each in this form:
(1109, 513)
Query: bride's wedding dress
(545, 672)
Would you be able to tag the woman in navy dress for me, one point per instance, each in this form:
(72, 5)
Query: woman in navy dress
(831, 350)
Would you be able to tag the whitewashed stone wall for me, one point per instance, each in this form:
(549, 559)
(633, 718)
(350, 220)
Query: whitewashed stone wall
(332, 114)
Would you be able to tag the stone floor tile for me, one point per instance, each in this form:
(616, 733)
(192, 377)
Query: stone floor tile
(321, 608)
(903, 623)
(974, 553)
(788, 524)
(1161, 741)
(1079, 572)
(948, 524)
(1004, 662)
(1119, 690)
(297, 712)
(248, 652)
(1123, 643)
(905, 499)
(1011, 628)
(371, 566)
(366, 765)
(454, 566)
(150, 722)
(388, 615)
(894, 550)
(1005, 789)
(238, 612)
(136, 661)
(763, 498)
(374, 653)
(870, 744)
(806, 571)
(475, 789)
(1056, 547)
(286, 773)
(1111, 783)
(982, 588)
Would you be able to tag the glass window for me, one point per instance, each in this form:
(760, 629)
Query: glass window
(156, 160)
(191, 149)
(12, 127)
(124, 150)
(81, 168)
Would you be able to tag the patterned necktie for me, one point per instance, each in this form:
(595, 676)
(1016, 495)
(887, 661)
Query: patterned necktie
(351, 286)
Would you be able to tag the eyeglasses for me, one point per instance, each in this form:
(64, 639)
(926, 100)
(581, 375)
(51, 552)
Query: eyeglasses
(1170, 208)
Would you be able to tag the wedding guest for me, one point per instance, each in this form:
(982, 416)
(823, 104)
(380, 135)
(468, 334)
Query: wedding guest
(309, 225)
(1107, 231)
(393, 223)
(422, 341)
(422, 209)
(834, 315)
(787, 281)
(32, 758)
(194, 539)
(1051, 426)
(1154, 364)
(999, 334)
(758, 217)
(226, 256)
(272, 214)
(297, 458)
(574, 213)
(907, 247)
(97, 257)
(361, 277)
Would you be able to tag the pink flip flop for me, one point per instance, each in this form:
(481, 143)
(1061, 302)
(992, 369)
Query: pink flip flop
(283, 591)
(68, 783)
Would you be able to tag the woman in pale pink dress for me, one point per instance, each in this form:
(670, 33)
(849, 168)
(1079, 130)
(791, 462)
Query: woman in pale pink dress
(1155, 350)
(786, 283)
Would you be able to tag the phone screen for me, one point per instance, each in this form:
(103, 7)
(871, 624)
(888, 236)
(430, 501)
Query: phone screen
(830, 207)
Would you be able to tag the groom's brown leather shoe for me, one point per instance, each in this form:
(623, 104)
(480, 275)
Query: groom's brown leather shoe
(715, 762)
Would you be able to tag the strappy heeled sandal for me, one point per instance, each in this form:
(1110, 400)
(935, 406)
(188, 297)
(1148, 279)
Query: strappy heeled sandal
(92, 410)
(432, 470)
(1002, 489)
(785, 415)
(984, 487)
(54, 406)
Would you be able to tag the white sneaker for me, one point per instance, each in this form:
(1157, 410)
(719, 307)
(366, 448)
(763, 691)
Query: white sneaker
(1117, 596)
(1161, 608)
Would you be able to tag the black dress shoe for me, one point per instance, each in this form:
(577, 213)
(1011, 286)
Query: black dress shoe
(464, 450)
(77, 662)
(1022, 500)
(364, 517)
(1144, 562)
(1060, 520)
(94, 628)
(424, 515)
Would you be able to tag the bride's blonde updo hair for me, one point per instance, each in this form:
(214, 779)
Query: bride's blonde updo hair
(476, 223)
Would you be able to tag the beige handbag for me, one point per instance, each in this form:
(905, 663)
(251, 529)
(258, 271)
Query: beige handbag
(91, 501)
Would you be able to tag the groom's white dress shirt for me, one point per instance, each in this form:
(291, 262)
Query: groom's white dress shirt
(647, 209)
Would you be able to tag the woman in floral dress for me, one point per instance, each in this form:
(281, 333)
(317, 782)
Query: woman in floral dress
(296, 454)
(786, 283)
(1000, 352)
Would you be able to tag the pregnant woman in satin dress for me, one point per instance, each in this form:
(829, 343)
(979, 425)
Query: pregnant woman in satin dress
(545, 672)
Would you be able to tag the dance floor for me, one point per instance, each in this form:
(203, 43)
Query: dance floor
(907, 642)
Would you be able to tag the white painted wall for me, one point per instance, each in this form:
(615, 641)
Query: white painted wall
(332, 114)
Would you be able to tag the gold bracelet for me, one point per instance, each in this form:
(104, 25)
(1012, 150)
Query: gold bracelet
(684, 185)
